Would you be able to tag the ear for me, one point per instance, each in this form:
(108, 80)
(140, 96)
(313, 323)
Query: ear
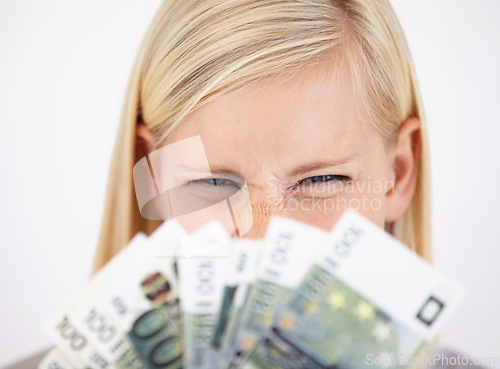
(405, 159)
(144, 141)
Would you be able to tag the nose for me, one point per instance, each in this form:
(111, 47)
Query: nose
(262, 212)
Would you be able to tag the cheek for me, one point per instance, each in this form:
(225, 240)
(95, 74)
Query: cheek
(373, 186)
(370, 203)
(322, 213)
(366, 198)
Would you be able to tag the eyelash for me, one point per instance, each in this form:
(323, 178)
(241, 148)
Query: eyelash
(329, 178)
(314, 179)
(214, 181)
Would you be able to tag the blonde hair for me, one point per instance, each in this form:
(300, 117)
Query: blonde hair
(197, 50)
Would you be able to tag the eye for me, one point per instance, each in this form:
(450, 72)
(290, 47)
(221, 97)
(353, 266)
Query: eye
(214, 182)
(218, 186)
(325, 178)
(322, 186)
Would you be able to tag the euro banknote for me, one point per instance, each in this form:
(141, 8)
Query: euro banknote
(365, 296)
(284, 263)
(245, 257)
(300, 297)
(201, 280)
(110, 317)
(73, 343)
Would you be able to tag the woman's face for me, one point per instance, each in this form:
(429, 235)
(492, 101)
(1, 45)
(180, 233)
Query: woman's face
(305, 151)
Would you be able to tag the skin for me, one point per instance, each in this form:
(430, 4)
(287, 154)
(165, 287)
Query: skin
(301, 141)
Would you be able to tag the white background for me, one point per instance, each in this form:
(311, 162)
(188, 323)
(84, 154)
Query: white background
(64, 66)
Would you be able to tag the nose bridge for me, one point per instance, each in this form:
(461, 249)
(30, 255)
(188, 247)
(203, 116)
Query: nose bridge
(262, 211)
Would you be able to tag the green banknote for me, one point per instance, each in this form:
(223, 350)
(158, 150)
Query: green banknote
(241, 270)
(157, 340)
(288, 254)
(103, 331)
(327, 325)
(366, 299)
(201, 270)
(139, 280)
(73, 341)
(301, 298)
(141, 305)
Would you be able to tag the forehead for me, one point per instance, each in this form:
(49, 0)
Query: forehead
(292, 119)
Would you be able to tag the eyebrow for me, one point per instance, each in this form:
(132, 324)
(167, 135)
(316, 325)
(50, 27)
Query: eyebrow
(305, 168)
(202, 169)
(213, 169)
(309, 167)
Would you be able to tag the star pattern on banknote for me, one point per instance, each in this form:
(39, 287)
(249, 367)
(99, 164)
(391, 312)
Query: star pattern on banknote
(337, 299)
(364, 310)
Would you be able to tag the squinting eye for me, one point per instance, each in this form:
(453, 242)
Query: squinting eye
(325, 178)
(320, 186)
(219, 188)
(214, 182)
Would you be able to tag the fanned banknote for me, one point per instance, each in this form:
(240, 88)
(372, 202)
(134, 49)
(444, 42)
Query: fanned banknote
(137, 288)
(241, 271)
(367, 297)
(299, 298)
(289, 252)
(143, 304)
(201, 272)
(72, 342)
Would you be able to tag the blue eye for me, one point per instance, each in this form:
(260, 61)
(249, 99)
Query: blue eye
(210, 188)
(214, 182)
(325, 178)
(323, 186)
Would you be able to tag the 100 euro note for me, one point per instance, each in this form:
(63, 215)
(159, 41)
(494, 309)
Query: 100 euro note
(131, 316)
(288, 254)
(72, 343)
(366, 299)
(143, 304)
(245, 256)
(346, 299)
(201, 274)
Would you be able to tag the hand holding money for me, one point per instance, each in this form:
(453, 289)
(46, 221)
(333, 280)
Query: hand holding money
(300, 298)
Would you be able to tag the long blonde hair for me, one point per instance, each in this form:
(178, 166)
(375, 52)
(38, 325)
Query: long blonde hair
(196, 50)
